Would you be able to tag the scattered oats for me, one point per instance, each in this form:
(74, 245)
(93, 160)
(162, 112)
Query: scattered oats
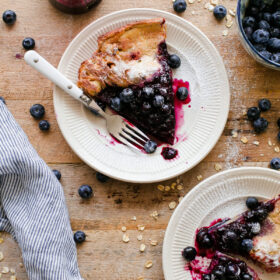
(5, 270)
(154, 242)
(234, 133)
(199, 177)
(142, 247)
(167, 188)
(276, 149)
(269, 143)
(214, 2)
(179, 187)
(139, 237)
(229, 24)
(13, 271)
(173, 185)
(220, 155)
(232, 12)
(180, 198)
(257, 143)
(13, 277)
(191, 1)
(261, 155)
(172, 205)
(140, 227)
(228, 17)
(125, 238)
(199, 1)
(160, 187)
(148, 264)
(1, 256)
(1, 240)
(193, 12)
(124, 229)
(133, 218)
(140, 278)
(218, 167)
(244, 113)
(211, 8)
(178, 181)
(244, 140)
(207, 5)
(225, 32)
(154, 215)
(20, 264)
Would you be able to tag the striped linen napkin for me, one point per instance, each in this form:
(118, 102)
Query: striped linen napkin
(32, 207)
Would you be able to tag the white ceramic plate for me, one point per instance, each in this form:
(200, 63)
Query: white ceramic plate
(222, 195)
(204, 120)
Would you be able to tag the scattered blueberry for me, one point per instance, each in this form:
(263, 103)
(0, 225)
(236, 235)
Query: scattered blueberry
(265, 54)
(182, 93)
(2, 99)
(150, 147)
(263, 24)
(253, 113)
(247, 245)
(275, 58)
(37, 111)
(276, 18)
(44, 125)
(79, 236)
(252, 203)
(57, 174)
(169, 153)
(180, 6)
(275, 163)
(158, 101)
(261, 36)
(189, 253)
(278, 122)
(174, 61)
(126, 95)
(264, 104)
(260, 125)
(9, 17)
(85, 191)
(249, 22)
(148, 92)
(101, 177)
(28, 43)
(273, 44)
(116, 104)
(220, 12)
(246, 276)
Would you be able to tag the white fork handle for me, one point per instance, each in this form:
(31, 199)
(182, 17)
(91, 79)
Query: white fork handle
(45, 68)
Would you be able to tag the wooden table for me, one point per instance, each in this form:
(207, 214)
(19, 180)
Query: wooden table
(105, 255)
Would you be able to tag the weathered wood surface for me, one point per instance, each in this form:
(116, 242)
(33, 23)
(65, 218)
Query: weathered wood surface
(104, 255)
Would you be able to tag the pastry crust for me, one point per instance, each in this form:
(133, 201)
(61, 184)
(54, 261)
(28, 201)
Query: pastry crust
(125, 56)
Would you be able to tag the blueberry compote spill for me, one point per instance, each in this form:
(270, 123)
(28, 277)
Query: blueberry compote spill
(169, 153)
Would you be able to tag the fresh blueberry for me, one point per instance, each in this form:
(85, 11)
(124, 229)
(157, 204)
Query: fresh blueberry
(261, 214)
(246, 276)
(253, 11)
(126, 95)
(252, 203)
(265, 54)
(267, 17)
(256, 3)
(263, 24)
(57, 174)
(260, 125)
(273, 44)
(37, 111)
(220, 12)
(275, 58)
(180, 6)
(206, 242)
(275, 163)
(253, 113)
(158, 101)
(248, 31)
(232, 271)
(206, 277)
(278, 122)
(264, 104)
(2, 99)
(116, 104)
(44, 125)
(249, 22)
(166, 109)
(174, 61)
(169, 153)
(218, 272)
(260, 36)
(189, 253)
(101, 177)
(150, 147)
(148, 92)
(28, 43)
(260, 47)
(182, 93)
(9, 17)
(146, 107)
(275, 32)
(79, 236)
(246, 245)
(276, 19)
(85, 191)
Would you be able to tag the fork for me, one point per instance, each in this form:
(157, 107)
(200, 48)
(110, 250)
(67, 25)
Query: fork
(117, 126)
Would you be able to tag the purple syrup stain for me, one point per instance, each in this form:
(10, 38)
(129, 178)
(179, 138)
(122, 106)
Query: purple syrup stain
(19, 56)
(169, 153)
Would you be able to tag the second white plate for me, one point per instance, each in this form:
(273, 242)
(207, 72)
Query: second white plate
(204, 118)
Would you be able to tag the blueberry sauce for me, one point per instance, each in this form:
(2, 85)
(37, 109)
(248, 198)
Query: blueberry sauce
(169, 153)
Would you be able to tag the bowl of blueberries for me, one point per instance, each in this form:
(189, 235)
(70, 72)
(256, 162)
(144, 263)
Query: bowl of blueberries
(258, 22)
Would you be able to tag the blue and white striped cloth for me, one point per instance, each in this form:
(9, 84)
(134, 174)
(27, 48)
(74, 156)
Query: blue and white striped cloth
(32, 207)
